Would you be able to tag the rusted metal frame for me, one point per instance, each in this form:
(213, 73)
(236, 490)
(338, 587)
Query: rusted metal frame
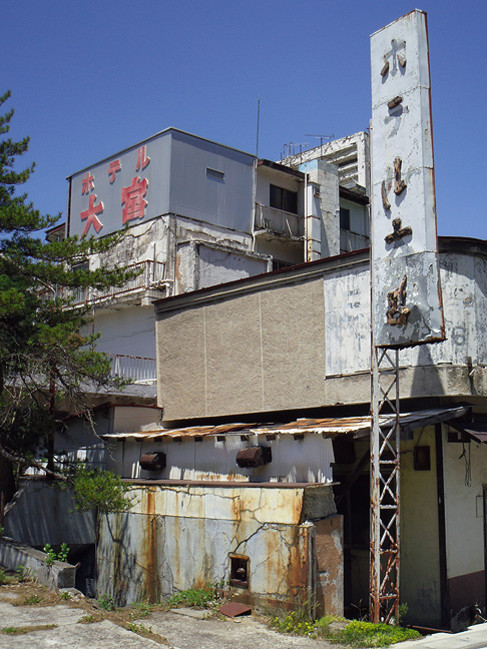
(385, 496)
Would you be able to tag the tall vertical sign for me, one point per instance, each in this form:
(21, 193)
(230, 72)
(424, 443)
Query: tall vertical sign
(406, 294)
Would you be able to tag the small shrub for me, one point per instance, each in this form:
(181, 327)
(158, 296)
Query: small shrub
(3, 578)
(50, 555)
(65, 596)
(62, 555)
(106, 602)
(33, 599)
(22, 573)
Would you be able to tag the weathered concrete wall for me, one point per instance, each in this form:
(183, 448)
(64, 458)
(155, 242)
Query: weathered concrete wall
(40, 513)
(302, 339)
(14, 554)
(181, 536)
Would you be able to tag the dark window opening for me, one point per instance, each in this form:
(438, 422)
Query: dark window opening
(239, 571)
(422, 459)
(283, 199)
(344, 218)
(215, 174)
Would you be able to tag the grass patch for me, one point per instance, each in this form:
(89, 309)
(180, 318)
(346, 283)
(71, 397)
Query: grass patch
(106, 603)
(141, 609)
(207, 597)
(3, 578)
(89, 619)
(32, 600)
(341, 631)
(21, 630)
(367, 634)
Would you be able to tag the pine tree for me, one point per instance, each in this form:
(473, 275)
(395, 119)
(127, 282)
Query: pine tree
(44, 359)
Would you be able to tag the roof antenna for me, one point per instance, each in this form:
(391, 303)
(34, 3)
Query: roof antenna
(258, 121)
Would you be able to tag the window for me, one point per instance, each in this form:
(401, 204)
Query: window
(216, 175)
(283, 199)
(344, 218)
(239, 570)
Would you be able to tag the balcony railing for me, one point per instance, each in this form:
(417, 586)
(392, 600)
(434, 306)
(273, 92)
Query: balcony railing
(152, 277)
(272, 220)
(138, 369)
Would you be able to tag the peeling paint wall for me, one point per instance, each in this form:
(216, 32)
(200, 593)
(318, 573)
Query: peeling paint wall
(180, 537)
(295, 342)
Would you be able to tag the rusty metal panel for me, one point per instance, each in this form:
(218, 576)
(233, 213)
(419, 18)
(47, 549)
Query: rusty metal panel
(407, 303)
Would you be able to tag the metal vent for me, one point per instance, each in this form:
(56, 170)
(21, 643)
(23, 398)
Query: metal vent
(213, 173)
(153, 461)
(254, 456)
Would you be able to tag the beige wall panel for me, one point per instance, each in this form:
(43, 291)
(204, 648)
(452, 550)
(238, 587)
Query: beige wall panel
(420, 559)
(233, 356)
(181, 364)
(293, 345)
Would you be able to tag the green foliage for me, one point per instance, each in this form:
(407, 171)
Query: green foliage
(141, 609)
(354, 634)
(65, 596)
(138, 628)
(44, 360)
(366, 634)
(89, 619)
(50, 555)
(106, 602)
(102, 490)
(31, 600)
(22, 573)
(62, 555)
(207, 597)
(3, 578)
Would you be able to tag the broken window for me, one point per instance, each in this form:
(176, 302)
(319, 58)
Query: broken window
(283, 199)
(239, 570)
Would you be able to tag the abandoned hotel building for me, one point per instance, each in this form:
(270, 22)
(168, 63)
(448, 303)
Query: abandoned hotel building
(249, 456)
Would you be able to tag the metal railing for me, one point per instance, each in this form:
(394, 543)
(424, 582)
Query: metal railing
(152, 276)
(133, 368)
(277, 221)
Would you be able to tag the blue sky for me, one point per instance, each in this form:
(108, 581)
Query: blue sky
(91, 78)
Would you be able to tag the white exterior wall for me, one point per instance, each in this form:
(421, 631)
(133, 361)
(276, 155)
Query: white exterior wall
(306, 460)
(464, 506)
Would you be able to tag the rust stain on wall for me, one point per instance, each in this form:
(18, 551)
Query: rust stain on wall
(151, 576)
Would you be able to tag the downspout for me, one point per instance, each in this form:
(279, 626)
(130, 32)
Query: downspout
(306, 226)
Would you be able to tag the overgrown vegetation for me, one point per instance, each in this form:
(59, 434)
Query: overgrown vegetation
(51, 555)
(353, 633)
(106, 602)
(4, 579)
(207, 597)
(102, 490)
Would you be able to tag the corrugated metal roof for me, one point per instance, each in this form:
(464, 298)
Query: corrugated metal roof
(326, 426)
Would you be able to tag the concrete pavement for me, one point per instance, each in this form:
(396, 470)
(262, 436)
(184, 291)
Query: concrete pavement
(474, 638)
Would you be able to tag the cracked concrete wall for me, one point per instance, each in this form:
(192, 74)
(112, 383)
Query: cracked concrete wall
(179, 537)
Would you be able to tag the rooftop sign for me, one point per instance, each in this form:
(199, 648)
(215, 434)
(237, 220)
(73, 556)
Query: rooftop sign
(406, 293)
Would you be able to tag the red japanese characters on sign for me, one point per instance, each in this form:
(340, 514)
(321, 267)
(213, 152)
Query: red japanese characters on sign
(112, 170)
(133, 198)
(87, 183)
(142, 159)
(90, 215)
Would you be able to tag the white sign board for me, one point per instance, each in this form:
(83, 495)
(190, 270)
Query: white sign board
(406, 294)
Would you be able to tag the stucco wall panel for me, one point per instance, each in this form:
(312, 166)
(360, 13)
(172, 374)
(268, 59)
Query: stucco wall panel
(293, 344)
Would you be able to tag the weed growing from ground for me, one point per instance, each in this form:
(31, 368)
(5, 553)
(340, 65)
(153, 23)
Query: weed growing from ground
(3, 578)
(141, 609)
(20, 630)
(367, 634)
(33, 599)
(207, 597)
(65, 596)
(106, 602)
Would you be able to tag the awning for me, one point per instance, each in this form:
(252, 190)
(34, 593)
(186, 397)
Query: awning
(477, 432)
(328, 427)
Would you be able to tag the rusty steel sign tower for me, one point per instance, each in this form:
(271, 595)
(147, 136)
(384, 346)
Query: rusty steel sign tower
(405, 287)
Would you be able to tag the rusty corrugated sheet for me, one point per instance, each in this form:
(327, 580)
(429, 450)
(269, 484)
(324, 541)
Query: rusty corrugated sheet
(326, 426)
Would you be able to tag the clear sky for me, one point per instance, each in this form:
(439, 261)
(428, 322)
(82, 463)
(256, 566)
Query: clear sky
(91, 78)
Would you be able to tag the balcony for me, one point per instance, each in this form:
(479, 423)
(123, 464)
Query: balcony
(149, 285)
(136, 369)
(273, 222)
